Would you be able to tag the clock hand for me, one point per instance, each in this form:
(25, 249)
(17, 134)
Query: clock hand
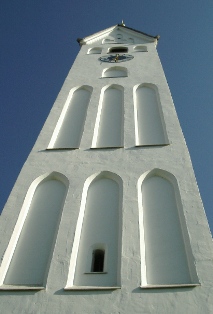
(116, 57)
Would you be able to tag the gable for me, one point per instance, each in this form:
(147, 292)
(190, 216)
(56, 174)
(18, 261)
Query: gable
(118, 34)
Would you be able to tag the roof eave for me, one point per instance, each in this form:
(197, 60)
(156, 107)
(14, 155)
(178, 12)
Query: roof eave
(135, 30)
(82, 41)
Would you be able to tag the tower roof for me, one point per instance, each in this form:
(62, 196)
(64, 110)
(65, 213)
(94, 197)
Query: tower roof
(107, 31)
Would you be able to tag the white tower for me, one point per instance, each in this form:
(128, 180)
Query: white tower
(106, 216)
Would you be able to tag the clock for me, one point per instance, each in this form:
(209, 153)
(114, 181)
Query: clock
(115, 58)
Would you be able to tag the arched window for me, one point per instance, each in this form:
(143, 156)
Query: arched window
(118, 50)
(70, 126)
(163, 233)
(115, 72)
(32, 243)
(107, 40)
(140, 48)
(149, 121)
(95, 50)
(95, 259)
(109, 122)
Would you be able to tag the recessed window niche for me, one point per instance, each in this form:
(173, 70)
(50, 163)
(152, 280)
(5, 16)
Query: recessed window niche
(94, 50)
(116, 71)
(70, 126)
(95, 259)
(140, 48)
(28, 256)
(150, 128)
(166, 256)
(108, 40)
(108, 130)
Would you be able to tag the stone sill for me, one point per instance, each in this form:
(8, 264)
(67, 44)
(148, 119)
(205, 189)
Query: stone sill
(106, 147)
(184, 285)
(96, 273)
(105, 77)
(19, 287)
(152, 145)
(61, 148)
(75, 288)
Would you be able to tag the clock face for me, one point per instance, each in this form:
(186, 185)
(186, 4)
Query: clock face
(115, 58)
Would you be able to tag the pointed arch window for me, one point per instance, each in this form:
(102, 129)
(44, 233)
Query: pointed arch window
(95, 259)
(70, 126)
(32, 243)
(150, 128)
(116, 71)
(109, 122)
(165, 261)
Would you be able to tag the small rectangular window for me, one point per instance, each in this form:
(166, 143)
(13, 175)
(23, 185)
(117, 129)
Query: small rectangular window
(97, 261)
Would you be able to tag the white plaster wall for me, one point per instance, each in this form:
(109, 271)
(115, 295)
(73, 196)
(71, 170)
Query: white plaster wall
(129, 163)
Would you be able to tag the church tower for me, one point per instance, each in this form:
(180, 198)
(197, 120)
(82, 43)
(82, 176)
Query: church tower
(106, 216)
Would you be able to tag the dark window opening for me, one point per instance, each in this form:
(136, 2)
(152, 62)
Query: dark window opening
(118, 49)
(98, 261)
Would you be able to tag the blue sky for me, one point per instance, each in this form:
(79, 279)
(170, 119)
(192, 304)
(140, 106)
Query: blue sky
(38, 47)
